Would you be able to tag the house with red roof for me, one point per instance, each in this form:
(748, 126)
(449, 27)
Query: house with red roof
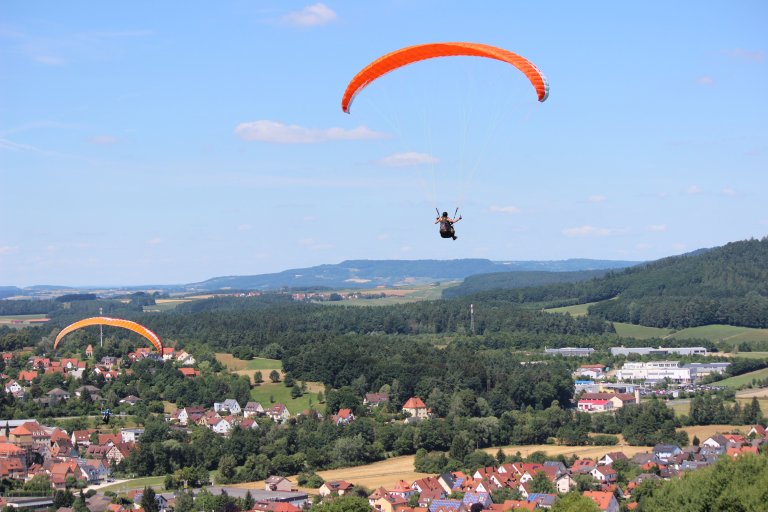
(416, 408)
(604, 474)
(605, 501)
(189, 372)
(343, 417)
(339, 487)
(595, 402)
(27, 375)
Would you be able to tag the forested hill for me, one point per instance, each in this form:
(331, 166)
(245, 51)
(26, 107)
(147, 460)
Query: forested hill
(726, 285)
(372, 273)
(514, 280)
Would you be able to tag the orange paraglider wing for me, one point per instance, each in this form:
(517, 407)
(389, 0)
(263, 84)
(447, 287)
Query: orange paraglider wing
(411, 54)
(114, 322)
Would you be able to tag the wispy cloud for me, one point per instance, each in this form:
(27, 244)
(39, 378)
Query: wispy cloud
(589, 231)
(13, 146)
(728, 191)
(597, 198)
(742, 54)
(693, 190)
(310, 16)
(155, 241)
(408, 159)
(8, 249)
(244, 227)
(279, 133)
(705, 80)
(103, 140)
(505, 209)
(657, 228)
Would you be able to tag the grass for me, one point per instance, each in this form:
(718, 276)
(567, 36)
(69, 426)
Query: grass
(639, 332)
(719, 333)
(743, 380)
(269, 393)
(257, 363)
(156, 482)
(575, 310)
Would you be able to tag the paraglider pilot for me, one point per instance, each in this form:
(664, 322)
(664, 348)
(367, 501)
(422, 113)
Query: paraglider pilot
(446, 225)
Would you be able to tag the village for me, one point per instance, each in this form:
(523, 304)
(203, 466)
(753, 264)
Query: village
(31, 450)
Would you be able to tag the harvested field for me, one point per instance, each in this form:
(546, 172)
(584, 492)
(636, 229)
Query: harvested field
(705, 431)
(750, 393)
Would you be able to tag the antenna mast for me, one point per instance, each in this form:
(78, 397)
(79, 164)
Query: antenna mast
(472, 318)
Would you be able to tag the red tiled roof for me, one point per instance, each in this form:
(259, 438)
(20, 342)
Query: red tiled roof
(601, 499)
(414, 403)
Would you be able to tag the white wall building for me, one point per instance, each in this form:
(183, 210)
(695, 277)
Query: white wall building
(654, 371)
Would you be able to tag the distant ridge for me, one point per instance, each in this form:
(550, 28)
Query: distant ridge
(373, 273)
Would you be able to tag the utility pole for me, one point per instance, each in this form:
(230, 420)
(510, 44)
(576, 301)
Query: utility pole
(472, 318)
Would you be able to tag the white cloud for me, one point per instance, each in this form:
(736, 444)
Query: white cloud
(597, 198)
(103, 140)
(705, 80)
(505, 209)
(588, 231)
(279, 133)
(408, 159)
(310, 16)
(693, 189)
(155, 241)
(244, 227)
(742, 54)
(657, 227)
(728, 191)
(8, 249)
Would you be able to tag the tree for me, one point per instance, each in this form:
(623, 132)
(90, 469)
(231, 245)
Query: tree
(227, 468)
(184, 502)
(541, 483)
(346, 503)
(148, 502)
(574, 502)
(274, 376)
(258, 378)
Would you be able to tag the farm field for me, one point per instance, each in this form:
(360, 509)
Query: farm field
(719, 333)
(164, 305)
(395, 295)
(18, 321)
(257, 363)
(705, 431)
(640, 332)
(749, 393)
(270, 393)
(743, 380)
(575, 310)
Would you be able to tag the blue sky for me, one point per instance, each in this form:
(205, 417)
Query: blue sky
(169, 142)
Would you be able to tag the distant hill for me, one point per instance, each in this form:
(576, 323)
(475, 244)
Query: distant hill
(723, 285)
(373, 273)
